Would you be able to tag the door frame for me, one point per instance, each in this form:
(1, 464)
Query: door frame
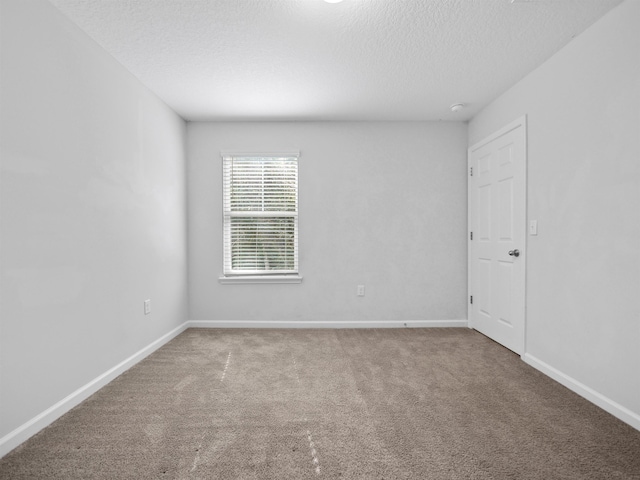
(519, 122)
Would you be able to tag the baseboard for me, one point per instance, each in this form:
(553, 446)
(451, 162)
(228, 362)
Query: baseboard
(581, 389)
(326, 324)
(33, 426)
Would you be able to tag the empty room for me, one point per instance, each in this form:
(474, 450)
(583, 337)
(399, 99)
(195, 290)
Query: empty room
(342, 239)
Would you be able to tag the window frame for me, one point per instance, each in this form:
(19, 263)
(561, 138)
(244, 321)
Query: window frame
(256, 276)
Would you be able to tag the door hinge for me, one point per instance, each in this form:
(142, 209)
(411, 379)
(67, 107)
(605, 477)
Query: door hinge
(471, 299)
(470, 235)
(471, 171)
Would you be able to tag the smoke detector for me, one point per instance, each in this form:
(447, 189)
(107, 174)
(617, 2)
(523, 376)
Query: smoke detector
(456, 107)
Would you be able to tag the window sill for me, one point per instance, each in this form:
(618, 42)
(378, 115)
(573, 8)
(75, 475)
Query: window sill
(248, 279)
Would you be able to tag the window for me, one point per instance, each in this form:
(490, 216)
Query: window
(260, 217)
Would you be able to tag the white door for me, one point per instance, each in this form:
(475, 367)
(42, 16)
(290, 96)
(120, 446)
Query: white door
(497, 225)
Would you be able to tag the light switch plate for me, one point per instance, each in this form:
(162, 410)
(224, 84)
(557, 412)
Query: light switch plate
(533, 227)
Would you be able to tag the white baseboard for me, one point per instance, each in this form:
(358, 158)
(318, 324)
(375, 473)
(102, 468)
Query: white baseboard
(325, 324)
(581, 389)
(33, 426)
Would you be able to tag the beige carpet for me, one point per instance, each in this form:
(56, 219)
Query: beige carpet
(337, 404)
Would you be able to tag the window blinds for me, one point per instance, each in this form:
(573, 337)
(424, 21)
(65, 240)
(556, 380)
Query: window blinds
(260, 214)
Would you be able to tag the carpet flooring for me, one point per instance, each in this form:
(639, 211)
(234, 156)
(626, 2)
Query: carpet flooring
(336, 404)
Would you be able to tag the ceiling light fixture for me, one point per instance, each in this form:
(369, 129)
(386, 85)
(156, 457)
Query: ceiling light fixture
(456, 107)
(333, 1)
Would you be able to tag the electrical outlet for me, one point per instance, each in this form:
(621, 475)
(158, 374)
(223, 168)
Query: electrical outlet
(360, 290)
(147, 307)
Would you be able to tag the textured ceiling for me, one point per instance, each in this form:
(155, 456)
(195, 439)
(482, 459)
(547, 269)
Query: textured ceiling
(310, 60)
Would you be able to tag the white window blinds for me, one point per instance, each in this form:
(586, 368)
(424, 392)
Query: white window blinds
(260, 214)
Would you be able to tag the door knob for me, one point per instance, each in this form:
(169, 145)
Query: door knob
(514, 253)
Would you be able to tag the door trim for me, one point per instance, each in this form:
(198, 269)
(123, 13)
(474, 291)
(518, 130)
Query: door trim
(519, 122)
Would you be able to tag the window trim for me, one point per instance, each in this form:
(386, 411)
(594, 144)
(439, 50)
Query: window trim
(254, 277)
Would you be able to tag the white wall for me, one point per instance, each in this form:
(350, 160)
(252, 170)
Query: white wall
(93, 212)
(583, 279)
(381, 204)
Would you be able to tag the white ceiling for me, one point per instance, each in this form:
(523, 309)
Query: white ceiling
(310, 60)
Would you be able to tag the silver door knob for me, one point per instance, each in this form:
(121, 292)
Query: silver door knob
(514, 253)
